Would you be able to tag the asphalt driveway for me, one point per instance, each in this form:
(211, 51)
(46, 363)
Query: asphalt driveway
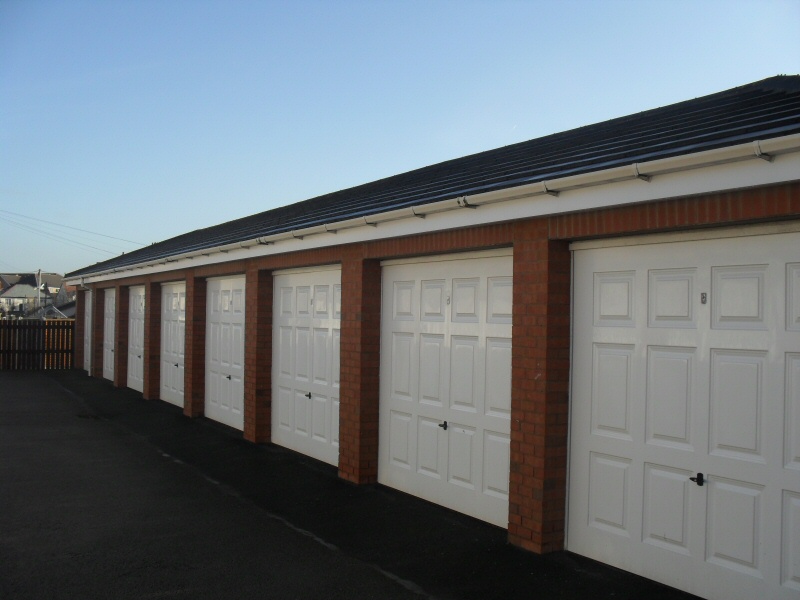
(106, 495)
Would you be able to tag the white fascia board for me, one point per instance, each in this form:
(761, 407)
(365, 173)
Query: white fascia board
(700, 173)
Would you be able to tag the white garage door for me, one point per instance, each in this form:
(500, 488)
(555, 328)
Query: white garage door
(686, 371)
(445, 398)
(225, 351)
(305, 362)
(173, 337)
(109, 319)
(87, 332)
(136, 338)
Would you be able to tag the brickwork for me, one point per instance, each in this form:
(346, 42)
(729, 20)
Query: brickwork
(359, 369)
(152, 341)
(194, 385)
(258, 356)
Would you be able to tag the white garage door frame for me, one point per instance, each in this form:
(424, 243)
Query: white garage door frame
(87, 331)
(445, 383)
(136, 338)
(307, 311)
(173, 342)
(109, 335)
(686, 360)
(225, 320)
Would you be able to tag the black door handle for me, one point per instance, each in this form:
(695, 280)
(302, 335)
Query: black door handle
(443, 425)
(308, 395)
(699, 480)
(227, 377)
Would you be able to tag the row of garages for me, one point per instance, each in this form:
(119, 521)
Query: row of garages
(633, 399)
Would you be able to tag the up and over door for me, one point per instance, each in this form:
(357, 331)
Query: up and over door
(173, 334)
(685, 426)
(305, 362)
(136, 338)
(109, 337)
(445, 384)
(225, 312)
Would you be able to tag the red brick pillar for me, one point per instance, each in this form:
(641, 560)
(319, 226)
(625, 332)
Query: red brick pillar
(152, 341)
(80, 329)
(194, 382)
(121, 316)
(98, 323)
(540, 378)
(359, 370)
(258, 356)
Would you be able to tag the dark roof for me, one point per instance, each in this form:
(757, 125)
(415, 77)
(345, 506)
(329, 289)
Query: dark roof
(765, 109)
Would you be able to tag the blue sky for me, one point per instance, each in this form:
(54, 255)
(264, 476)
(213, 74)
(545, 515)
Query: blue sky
(141, 120)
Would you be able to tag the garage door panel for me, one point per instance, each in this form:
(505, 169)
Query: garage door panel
(402, 360)
(666, 508)
(735, 524)
(285, 408)
(432, 301)
(321, 362)
(670, 298)
(446, 360)
(793, 297)
(136, 305)
(302, 354)
(671, 388)
(790, 526)
(431, 368)
(613, 299)
(737, 396)
(285, 351)
(400, 442)
(738, 297)
(403, 301)
(464, 369)
(612, 375)
(461, 454)
(791, 452)
(496, 462)
(466, 300)
(497, 378)
(500, 300)
(609, 489)
(306, 362)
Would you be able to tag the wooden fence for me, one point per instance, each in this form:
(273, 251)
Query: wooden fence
(36, 345)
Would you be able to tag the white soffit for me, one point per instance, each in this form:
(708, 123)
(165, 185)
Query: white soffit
(747, 165)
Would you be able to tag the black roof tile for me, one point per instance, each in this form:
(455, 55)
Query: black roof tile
(757, 111)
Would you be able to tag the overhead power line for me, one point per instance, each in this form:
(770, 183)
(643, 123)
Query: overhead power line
(111, 237)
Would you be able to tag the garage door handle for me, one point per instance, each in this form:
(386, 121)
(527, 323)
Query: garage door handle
(443, 425)
(228, 377)
(698, 480)
(308, 395)
(176, 364)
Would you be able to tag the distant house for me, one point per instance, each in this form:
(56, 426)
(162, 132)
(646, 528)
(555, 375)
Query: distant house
(26, 292)
(590, 339)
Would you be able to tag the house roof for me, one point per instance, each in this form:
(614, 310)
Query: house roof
(758, 111)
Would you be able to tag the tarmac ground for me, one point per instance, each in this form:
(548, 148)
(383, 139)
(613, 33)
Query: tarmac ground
(106, 495)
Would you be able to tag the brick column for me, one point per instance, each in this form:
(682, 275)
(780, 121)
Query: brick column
(194, 382)
(540, 379)
(152, 341)
(258, 356)
(121, 316)
(360, 369)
